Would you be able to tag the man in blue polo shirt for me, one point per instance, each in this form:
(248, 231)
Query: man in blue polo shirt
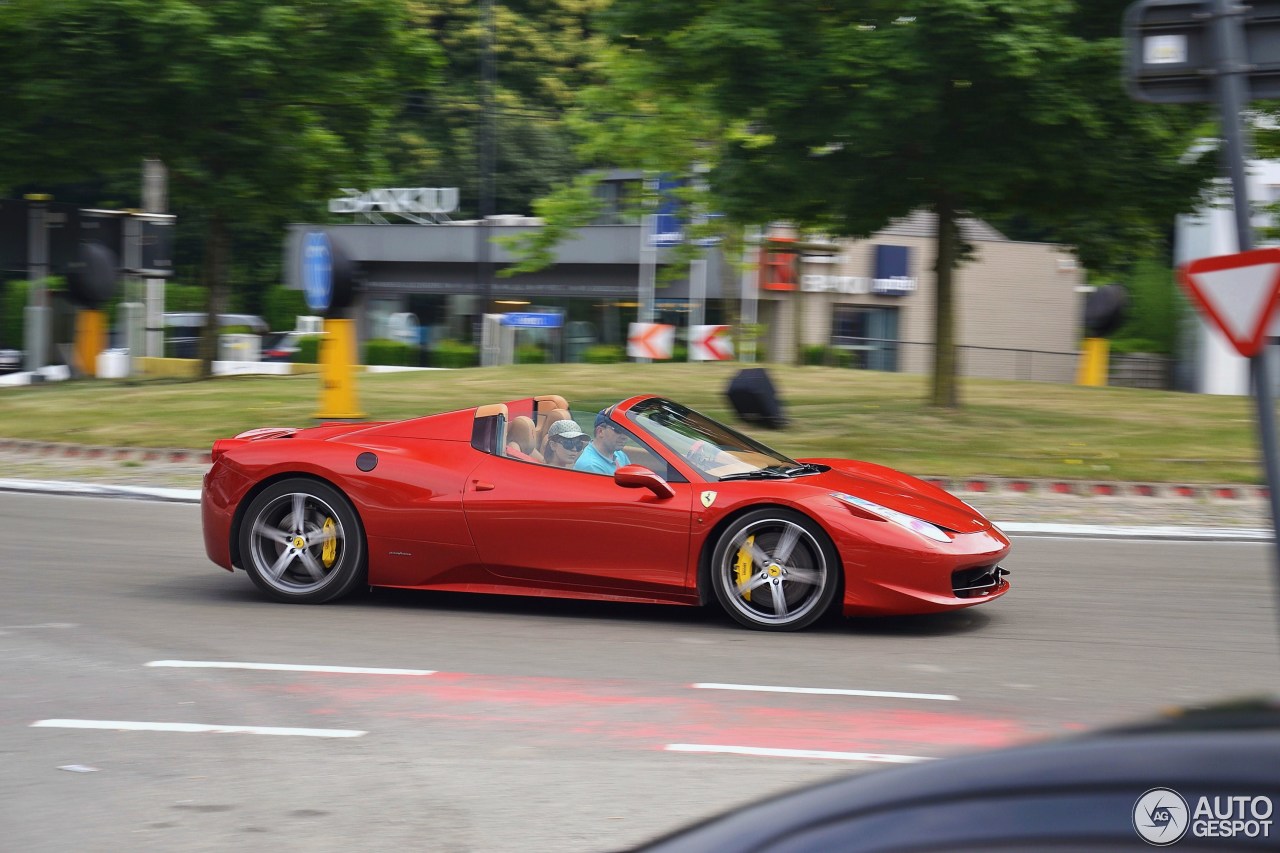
(604, 454)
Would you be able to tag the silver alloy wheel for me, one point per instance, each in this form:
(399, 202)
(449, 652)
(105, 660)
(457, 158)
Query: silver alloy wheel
(297, 543)
(775, 572)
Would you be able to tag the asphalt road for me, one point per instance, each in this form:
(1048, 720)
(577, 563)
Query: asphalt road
(538, 725)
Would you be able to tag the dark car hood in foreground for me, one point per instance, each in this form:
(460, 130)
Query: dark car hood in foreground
(1064, 795)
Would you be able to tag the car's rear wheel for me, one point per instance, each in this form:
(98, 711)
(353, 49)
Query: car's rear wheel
(301, 542)
(775, 570)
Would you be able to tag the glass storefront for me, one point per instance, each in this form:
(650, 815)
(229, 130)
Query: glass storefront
(869, 333)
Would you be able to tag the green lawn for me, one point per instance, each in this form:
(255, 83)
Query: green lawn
(1022, 429)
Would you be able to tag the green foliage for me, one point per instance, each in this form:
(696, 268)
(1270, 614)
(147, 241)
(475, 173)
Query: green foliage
(604, 354)
(308, 349)
(544, 51)
(281, 307)
(530, 354)
(260, 109)
(841, 117)
(13, 299)
(1155, 307)
(826, 356)
(563, 211)
(1124, 346)
(450, 353)
(184, 297)
(396, 353)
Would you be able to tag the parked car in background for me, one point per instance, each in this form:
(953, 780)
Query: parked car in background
(10, 360)
(280, 346)
(182, 330)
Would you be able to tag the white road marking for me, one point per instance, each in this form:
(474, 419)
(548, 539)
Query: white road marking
(828, 691)
(136, 726)
(880, 758)
(288, 667)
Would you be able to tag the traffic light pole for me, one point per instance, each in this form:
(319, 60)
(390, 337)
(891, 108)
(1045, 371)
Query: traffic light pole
(1232, 91)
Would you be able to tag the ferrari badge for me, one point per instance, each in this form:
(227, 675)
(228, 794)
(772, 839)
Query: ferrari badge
(708, 498)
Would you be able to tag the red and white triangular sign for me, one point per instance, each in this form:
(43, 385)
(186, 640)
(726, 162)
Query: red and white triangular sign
(1238, 293)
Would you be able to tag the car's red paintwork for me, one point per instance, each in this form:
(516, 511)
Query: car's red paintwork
(441, 514)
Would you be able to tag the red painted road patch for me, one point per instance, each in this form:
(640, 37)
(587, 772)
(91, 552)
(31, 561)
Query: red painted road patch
(644, 715)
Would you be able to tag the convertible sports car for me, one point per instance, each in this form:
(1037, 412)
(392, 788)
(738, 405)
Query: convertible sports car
(480, 500)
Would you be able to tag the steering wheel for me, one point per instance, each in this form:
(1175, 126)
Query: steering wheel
(702, 453)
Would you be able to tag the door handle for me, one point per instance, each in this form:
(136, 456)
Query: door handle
(481, 486)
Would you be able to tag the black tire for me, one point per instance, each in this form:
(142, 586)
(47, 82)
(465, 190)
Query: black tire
(775, 570)
(301, 542)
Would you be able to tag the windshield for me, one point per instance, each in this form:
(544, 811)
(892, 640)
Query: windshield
(717, 451)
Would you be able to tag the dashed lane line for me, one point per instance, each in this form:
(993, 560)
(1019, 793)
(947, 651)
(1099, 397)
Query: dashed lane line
(826, 691)
(876, 757)
(142, 726)
(287, 667)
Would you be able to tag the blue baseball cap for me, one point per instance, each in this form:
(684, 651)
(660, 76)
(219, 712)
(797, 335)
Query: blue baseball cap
(603, 419)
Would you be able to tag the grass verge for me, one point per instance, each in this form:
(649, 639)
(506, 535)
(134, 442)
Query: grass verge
(1013, 429)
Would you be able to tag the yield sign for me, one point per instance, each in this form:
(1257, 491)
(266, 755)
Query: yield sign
(1238, 293)
(710, 343)
(650, 340)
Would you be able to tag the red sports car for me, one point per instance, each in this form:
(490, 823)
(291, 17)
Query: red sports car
(647, 501)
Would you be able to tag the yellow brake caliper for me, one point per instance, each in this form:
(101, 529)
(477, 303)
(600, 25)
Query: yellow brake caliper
(329, 552)
(742, 565)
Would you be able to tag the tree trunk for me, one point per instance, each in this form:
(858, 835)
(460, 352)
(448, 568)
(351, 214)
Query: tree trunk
(216, 259)
(945, 391)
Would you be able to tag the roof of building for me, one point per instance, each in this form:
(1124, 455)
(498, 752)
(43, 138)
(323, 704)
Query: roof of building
(923, 223)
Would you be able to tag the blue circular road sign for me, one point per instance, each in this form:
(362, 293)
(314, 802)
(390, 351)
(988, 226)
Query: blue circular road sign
(317, 271)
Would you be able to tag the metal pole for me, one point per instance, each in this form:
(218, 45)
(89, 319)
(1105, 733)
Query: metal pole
(648, 263)
(750, 292)
(133, 331)
(1233, 95)
(36, 324)
(697, 298)
(155, 199)
(488, 152)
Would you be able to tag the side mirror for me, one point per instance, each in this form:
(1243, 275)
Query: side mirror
(640, 477)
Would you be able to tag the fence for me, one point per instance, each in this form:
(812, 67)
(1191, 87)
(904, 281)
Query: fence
(975, 361)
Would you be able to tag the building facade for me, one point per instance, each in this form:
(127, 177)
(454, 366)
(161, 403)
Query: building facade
(869, 302)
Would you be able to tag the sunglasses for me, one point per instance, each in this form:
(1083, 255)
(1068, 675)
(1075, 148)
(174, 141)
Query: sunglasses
(575, 443)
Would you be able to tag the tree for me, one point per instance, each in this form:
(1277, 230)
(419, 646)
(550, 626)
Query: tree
(261, 110)
(544, 51)
(863, 112)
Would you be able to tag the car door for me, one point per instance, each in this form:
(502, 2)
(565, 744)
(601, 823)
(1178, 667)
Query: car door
(548, 527)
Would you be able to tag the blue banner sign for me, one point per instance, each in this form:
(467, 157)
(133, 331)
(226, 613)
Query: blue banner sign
(669, 220)
(533, 320)
(892, 275)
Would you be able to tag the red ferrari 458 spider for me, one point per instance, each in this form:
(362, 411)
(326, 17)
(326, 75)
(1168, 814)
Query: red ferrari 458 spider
(647, 501)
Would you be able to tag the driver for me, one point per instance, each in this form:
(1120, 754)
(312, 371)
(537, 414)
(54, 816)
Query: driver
(604, 454)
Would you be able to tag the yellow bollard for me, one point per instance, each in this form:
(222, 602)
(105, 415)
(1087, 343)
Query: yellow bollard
(91, 339)
(338, 372)
(1094, 354)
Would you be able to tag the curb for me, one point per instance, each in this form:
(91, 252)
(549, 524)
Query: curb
(1011, 528)
(1099, 488)
(49, 449)
(956, 485)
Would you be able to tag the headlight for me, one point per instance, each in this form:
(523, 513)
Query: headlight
(910, 522)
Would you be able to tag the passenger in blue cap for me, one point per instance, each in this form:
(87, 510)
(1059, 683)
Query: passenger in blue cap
(604, 454)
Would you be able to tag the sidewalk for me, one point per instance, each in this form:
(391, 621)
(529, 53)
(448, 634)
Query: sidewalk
(1015, 504)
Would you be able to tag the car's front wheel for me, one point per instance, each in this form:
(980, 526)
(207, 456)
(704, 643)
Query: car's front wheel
(301, 542)
(775, 570)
